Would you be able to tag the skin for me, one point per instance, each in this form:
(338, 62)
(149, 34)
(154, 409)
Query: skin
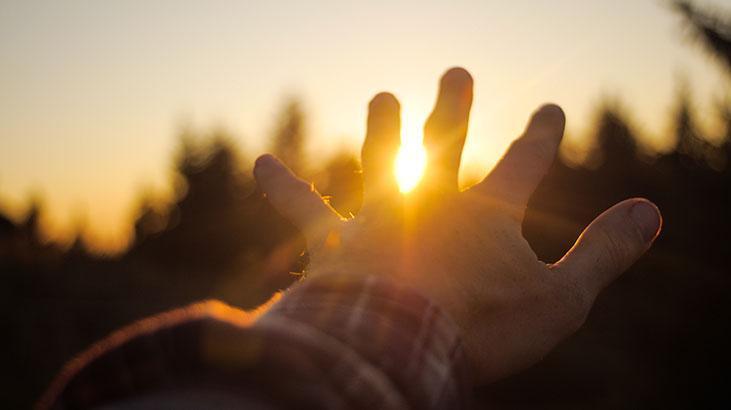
(465, 250)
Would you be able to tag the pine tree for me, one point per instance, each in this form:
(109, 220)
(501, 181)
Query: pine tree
(289, 138)
(711, 29)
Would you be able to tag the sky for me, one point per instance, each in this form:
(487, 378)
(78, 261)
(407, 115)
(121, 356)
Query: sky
(93, 94)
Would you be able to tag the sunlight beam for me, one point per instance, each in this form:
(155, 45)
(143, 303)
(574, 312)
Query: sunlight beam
(411, 158)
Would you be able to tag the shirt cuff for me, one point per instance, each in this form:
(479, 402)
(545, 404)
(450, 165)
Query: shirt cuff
(406, 337)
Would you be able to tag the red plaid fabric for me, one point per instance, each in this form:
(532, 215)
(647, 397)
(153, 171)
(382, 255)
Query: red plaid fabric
(330, 342)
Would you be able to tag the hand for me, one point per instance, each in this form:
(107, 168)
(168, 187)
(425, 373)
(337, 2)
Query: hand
(465, 250)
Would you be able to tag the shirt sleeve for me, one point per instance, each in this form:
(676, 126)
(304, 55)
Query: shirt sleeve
(332, 342)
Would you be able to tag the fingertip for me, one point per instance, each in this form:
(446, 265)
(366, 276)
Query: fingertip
(547, 123)
(264, 164)
(648, 218)
(550, 114)
(455, 90)
(267, 167)
(384, 100)
(384, 113)
(457, 76)
(446, 128)
(264, 160)
(381, 144)
(454, 99)
(553, 112)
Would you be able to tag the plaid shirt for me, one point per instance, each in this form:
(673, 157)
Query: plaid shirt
(330, 342)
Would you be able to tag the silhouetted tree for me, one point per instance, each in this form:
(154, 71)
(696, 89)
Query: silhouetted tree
(724, 113)
(8, 240)
(206, 228)
(614, 138)
(341, 182)
(713, 30)
(31, 224)
(690, 142)
(149, 221)
(289, 137)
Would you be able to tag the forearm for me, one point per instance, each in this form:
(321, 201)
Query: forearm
(329, 342)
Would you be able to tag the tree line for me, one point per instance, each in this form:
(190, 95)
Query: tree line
(655, 338)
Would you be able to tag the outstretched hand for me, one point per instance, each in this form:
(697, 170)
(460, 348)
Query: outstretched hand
(465, 250)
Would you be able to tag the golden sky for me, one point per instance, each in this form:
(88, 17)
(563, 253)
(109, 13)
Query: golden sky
(93, 93)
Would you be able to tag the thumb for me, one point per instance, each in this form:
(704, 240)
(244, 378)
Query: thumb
(296, 199)
(612, 243)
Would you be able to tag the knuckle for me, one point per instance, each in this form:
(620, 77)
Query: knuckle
(575, 303)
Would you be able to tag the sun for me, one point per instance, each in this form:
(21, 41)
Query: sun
(410, 161)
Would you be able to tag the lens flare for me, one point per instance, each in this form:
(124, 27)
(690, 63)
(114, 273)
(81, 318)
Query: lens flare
(410, 161)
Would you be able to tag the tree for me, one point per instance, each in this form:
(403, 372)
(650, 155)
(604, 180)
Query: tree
(711, 29)
(149, 221)
(31, 225)
(341, 182)
(614, 138)
(289, 138)
(690, 142)
(205, 228)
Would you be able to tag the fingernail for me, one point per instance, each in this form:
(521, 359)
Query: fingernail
(648, 218)
(456, 89)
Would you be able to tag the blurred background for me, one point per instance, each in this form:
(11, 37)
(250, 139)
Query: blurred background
(128, 131)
